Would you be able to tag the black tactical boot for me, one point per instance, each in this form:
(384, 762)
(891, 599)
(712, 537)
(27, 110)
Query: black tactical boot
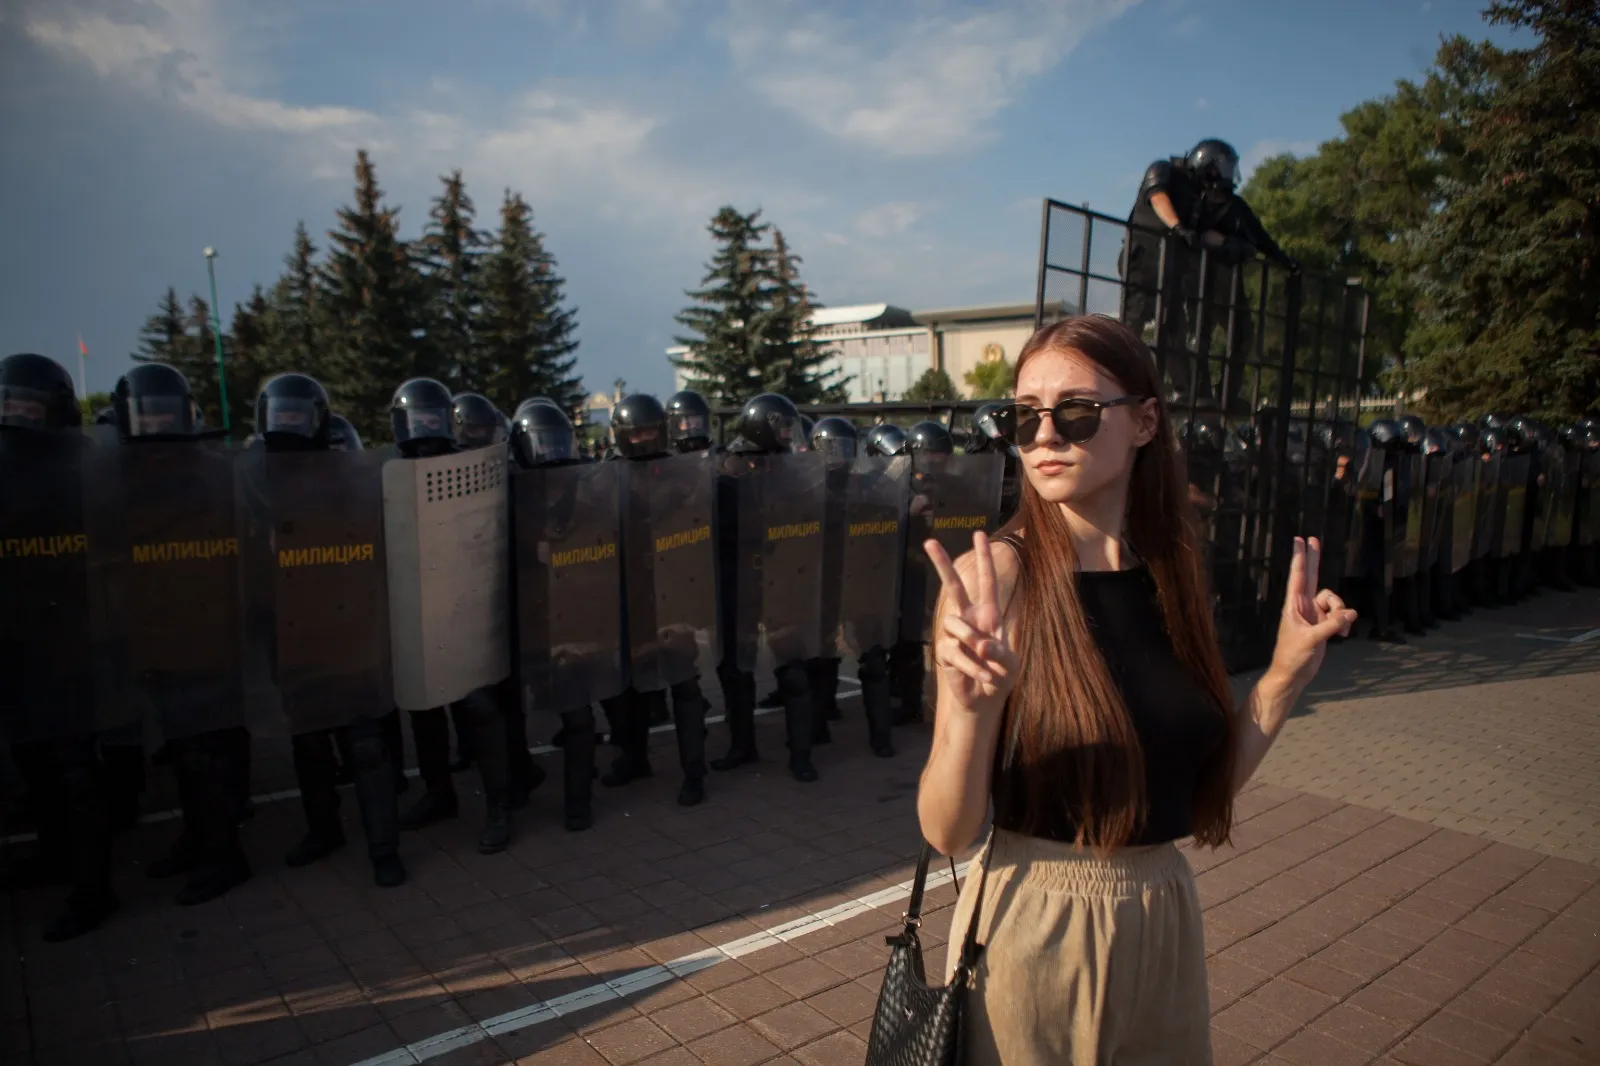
(388, 871)
(434, 806)
(496, 827)
(209, 882)
(183, 857)
(316, 844)
(78, 918)
(625, 770)
(802, 769)
(692, 792)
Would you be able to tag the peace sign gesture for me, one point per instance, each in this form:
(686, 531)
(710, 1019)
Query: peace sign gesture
(1310, 619)
(973, 652)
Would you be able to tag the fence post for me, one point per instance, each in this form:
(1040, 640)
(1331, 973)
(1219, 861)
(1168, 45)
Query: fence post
(1044, 264)
(1283, 524)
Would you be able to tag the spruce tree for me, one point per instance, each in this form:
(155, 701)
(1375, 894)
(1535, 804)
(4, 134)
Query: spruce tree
(727, 358)
(294, 325)
(794, 358)
(371, 296)
(1510, 303)
(249, 358)
(451, 252)
(196, 356)
(163, 334)
(525, 334)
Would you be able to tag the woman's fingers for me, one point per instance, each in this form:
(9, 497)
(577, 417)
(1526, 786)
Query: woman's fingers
(983, 554)
(1313, 566)
(980, 643)
(1328, 602)
(955, 655)
(954, 587)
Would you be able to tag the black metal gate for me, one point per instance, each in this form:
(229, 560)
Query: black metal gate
(1264, 372)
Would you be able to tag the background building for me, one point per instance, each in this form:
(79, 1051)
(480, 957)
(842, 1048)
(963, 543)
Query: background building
(882, 349)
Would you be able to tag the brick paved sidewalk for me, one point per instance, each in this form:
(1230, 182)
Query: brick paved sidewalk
(1338, 934)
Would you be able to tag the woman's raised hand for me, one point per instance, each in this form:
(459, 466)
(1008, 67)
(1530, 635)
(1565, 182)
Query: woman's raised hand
(973, 653)
(1311, 618)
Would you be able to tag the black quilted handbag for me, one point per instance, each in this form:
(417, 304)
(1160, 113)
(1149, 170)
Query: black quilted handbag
(918, 1025)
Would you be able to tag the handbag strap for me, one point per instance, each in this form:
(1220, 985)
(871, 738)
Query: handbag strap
(970, 948)
(919, 885)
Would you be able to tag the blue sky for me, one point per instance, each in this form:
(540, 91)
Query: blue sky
(903, 147)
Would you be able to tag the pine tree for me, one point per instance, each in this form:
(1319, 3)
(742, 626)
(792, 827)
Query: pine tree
(524, 337)
(371, 296)
(294, 325)
(249, 358)
(451, 251)
(795, 359)
(163, 334)
(727, 358)
(1511, 299)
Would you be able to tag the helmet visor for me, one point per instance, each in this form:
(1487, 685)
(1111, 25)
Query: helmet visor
(637, 440)
(291, 415)
(24, 408)
(837, 449)
(422, 423)
(159, 416)
(687, 427)
(477, 434)
(536, 446)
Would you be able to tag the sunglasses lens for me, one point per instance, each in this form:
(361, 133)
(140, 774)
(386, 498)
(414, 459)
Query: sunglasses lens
(1076, 423)
(1018, 425)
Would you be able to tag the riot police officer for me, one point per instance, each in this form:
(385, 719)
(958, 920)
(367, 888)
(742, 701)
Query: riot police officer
(478, 423)
(885, 438)
(984, 438)
(688, 422)
(1383, 520)
(768, 425)
(51, 727)
(1191, 200)
(342, 434)
(292, 416)
(153, 406)
(542, 436)
(927, 442)
(422, 416)
(640, 431)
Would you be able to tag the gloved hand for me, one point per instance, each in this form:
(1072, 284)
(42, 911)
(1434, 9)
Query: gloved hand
(1189, 237)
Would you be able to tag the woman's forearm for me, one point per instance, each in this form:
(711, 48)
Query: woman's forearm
(954, 797)
(1263, 714)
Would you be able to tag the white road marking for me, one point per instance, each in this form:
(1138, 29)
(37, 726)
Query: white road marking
(542, 749)
(1581, 638)
(648, 977)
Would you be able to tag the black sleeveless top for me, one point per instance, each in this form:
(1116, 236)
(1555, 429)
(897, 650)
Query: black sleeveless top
(1178, 724)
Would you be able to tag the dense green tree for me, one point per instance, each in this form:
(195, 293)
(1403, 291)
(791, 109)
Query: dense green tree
(726, 358)
(162, 337)
(294, 322)
(1510, 281)
(250, 359)
(373, 307)
(524, 334)
(990, 380)
(933, 385)
(92, 404)
(795, 359)
(451, 251)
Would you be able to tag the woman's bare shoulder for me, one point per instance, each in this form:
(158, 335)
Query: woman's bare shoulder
(1007, 567)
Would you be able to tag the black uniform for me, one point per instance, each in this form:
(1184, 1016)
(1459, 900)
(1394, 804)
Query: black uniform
(54, 746)
(292, 416)
(641, 429)
(1213, 219)
(422, 416)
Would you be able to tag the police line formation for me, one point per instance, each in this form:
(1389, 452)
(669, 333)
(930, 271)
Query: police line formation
(180, 595)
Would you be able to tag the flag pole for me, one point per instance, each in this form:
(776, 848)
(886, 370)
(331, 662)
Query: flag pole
(83, 384)
(216, 332)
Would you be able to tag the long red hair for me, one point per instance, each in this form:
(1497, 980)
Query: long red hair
(1066, 717)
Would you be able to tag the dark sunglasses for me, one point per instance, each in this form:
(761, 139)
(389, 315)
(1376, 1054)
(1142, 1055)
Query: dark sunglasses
(1076, 419)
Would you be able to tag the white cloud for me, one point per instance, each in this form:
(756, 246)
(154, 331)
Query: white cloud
(1263, 150)
(910, 84)
(884, 220)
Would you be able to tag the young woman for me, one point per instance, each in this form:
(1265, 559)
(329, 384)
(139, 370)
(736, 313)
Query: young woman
(1081, 689)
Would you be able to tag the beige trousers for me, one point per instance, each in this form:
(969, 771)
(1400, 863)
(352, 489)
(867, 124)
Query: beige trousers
(1087, 961)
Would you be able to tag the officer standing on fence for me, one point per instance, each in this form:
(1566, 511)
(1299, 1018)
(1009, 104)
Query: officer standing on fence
(292, 416)
(1192, 200)
(422, 415)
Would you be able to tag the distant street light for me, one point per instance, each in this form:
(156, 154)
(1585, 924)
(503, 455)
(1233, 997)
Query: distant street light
(216, 332)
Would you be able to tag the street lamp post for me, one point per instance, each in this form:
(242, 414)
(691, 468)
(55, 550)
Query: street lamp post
(216, 332)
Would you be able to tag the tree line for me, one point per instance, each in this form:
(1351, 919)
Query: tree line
(1469, 203)
(479, 311)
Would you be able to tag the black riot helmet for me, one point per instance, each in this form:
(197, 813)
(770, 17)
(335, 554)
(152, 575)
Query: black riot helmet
(342, 435)
(984, 436)
(1387, 434)
(1466, 434)
(688, 421)
(886, 438)
(802, 442)
(1492, 441)
(152, 402)
(1215, 165)
(1436, 441)
(1414, 429)
(769, 423)
(1518, 435)
(422, 415)
(36, 394)
(836, 438)
(292, 412)
(476, 421)
(1574, 437)
(1495, 420)
(541, 434)
(106, 416)
(639, 427)
(930, 438)
(1201, 436)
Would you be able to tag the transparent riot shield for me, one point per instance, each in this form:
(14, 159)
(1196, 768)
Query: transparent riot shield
(1541, 493)
(738, 533)
(1490, 507)
(1514, 472)
(670, 568)
(836, 489)
(1339, 517)
(1411, 501)
(174, 545)
(950, 497)
(1566, 500)
(792, 495)
(569, 573)
(874, 552)
(327, 586)
(1366, 476)
(46, 654)
(1463, 514)
(446, 527)
(1586, 509)
(1436, 502)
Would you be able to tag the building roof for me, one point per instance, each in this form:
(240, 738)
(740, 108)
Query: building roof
(982, 313)
(873, 314)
